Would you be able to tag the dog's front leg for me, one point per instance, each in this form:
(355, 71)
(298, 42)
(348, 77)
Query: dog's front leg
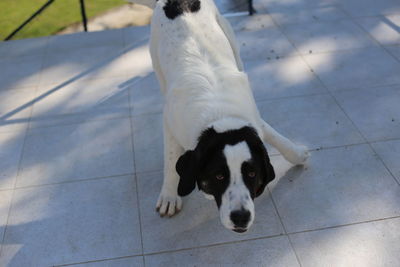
(296, 154)
(169, 203)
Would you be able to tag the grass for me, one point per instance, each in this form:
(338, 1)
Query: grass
(60, 14)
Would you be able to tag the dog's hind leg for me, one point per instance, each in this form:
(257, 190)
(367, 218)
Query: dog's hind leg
(169, 203)
(296, 154)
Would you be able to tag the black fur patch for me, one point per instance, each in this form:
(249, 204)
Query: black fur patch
(175, 8)
(208, 161)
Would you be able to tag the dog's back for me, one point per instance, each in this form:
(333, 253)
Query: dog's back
(187, 39)
(198, 65)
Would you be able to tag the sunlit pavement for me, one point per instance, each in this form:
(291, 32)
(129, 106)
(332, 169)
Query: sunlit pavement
(81, 146)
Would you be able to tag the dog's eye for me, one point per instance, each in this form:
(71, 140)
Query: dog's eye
(252, 174)
(219, 176)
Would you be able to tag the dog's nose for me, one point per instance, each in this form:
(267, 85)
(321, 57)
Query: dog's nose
(240, 218)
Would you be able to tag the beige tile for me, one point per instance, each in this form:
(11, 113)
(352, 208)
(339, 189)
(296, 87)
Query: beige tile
(72, 222)
(77, 151)
(338, 186)
(332, 36)
(382, 106)
(355, 68)
(366, 244)
(265, 252)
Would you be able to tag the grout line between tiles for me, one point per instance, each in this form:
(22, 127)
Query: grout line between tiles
(384, 164)
(100, 260)
(283, 226)
(135, 176)
(16, 177)
(212, 245)
(344, 225)
(84, 121)
(75, 181)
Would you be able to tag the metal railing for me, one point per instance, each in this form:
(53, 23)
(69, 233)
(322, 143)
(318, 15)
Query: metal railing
(41, 9)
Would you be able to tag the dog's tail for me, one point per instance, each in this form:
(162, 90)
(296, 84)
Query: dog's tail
(149, 3)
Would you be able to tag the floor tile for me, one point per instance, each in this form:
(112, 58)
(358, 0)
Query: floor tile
(10, 154)
(265, 252)
(5, 201)
(327, 36)
(135, 34)
(375, 111)
(389, 152)
(284, 15)
(281, 78)
(146, 96)
(24, 47)
(81, 101)
(198, 223)
(355, 69)
(315, 121)
(357, 8)
(255, 22)
(367, 244)
(77, 151)
(265, 43)
(20, 72)
(338, 186)
(83, 63)
(124, 262)
(73, 222)
(148, 142)
(385, 29)
(15, 109)
(70, 42)
(136, 61)
(395, 51)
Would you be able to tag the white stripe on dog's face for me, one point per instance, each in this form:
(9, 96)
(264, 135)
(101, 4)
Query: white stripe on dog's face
(237, 196)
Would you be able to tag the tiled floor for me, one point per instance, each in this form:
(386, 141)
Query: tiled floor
(81, 146)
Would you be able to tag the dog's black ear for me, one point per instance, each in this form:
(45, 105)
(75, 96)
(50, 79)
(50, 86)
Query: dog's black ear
(186, 168)
(268, 173)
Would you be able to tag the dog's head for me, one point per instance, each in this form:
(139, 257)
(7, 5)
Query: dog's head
(233, 167)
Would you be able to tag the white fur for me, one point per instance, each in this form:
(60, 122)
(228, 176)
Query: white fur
(236, 196)
(197, 63)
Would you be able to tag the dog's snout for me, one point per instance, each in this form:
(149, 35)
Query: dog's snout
(240, 218)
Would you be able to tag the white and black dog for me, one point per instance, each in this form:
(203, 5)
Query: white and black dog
(213, 132)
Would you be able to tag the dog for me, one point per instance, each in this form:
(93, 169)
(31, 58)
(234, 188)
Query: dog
(213, 132)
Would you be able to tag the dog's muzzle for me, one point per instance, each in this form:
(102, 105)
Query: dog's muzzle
(240, 220)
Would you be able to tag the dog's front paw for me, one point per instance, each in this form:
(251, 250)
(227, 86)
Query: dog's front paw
(298, 155)
(168, 204)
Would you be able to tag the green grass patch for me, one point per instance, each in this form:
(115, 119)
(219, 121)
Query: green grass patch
(60, 14)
